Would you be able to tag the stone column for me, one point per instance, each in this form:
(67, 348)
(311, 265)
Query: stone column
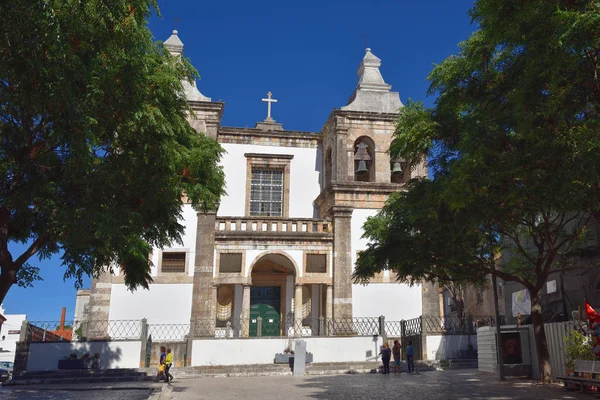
(245, 328)
(328, 308)
(342, 262)
(298, 310)
(99, 306)
(431, 312)
(204, 298)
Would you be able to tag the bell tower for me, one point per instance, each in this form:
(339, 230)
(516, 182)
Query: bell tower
(358, 173)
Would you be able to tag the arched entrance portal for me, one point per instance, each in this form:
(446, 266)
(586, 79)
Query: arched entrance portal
(271, 293)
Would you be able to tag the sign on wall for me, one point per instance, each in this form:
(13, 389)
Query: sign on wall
(521, 303)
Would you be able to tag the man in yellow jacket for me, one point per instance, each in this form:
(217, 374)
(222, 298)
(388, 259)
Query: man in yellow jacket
(168, 363)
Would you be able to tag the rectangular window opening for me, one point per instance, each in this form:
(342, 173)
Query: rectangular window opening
(173, 262)
(230, 263)
(316, 263)
(266, 193)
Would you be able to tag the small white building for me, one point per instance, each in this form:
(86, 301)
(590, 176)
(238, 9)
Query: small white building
(285, 238)
(10, 332)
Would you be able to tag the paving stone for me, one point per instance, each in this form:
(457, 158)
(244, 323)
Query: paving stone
(430, 385)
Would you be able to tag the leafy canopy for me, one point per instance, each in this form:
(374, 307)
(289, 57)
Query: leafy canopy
(95, 147)
(513, 144)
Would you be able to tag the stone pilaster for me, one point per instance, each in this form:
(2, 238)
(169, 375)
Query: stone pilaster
(204, 297)
(99, 306)
(431, 299)
(342, 262)
(298, 310)
(431, 308)
(245, 328)
(329, 302)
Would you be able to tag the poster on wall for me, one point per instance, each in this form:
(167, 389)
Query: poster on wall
(511, 348)
(594, 320)
(521, 303)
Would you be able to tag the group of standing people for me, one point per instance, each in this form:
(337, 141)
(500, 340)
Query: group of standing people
(386, 355)
(164, 364)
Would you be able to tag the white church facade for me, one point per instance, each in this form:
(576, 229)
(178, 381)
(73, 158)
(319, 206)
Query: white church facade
(284, 240)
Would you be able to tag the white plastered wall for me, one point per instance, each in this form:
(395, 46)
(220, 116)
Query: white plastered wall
(262, 351)
(188, 244)
(113, 354)
(395, 301)
(304, 178)
(162, 304)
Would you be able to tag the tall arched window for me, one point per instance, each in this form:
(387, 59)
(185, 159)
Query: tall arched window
(364, 159)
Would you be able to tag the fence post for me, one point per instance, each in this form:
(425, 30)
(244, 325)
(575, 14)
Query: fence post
(228, 330)
(84, 330)
(24, 335)
(144, 340)
(259, 326)
(190, 343)
(423, 336)
(382, 332)
(22, 350)
(321, 326)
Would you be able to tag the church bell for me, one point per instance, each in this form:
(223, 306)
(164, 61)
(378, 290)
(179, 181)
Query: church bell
(362, 167)
(397, 168)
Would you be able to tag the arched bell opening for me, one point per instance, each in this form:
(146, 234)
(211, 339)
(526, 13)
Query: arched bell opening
(399, 171)
(364, 159)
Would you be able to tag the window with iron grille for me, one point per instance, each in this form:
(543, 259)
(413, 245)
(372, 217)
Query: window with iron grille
(230, 262)
(173, 262)
(266, 193)
(316, 263)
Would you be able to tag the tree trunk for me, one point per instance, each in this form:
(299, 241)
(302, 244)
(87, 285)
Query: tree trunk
(7, 278)
(539, 333)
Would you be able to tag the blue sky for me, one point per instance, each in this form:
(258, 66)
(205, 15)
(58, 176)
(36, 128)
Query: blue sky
(306, 53)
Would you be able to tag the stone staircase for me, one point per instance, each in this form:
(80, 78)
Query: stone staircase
(80, 376)
(148, 374)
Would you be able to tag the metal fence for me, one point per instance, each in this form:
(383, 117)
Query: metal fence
(53, 331)
(169, 332)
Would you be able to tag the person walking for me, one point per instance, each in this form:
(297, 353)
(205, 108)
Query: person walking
(410, 352)
(386, 355)
(396, 354)
(168, 364)
(162, 365)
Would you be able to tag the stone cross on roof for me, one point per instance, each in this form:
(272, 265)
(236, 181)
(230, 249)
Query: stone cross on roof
(269, 100)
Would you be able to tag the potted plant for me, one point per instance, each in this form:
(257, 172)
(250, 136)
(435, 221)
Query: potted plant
(96, 361)
(577, 347)
(72, 361)
(284, 358)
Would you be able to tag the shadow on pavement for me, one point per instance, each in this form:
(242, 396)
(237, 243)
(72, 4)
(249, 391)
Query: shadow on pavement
(446, 385)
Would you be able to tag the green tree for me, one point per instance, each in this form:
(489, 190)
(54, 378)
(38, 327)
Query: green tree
(513, 144)
(95, 148)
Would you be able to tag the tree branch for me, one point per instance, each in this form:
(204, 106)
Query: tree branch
(37, 244)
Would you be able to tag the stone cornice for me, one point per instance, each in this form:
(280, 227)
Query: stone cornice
(339, 195)
(272, 138)
(252, 237)
(269, 156)
(214, 106)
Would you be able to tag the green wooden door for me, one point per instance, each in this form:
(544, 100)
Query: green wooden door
(264, 303)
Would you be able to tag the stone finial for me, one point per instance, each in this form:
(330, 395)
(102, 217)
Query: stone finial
(174, 44)
(175, 47)
(372, 93)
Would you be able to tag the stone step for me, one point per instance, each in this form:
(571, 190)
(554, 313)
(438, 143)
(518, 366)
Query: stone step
(79, 376)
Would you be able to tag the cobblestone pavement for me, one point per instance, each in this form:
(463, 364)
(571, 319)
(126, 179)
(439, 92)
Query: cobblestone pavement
(109, 391)
(433, 385)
